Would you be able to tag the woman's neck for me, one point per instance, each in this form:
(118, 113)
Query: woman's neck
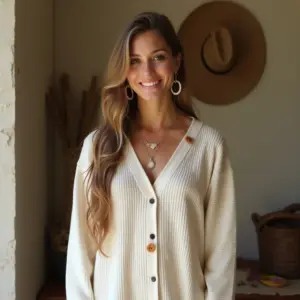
(154, 116)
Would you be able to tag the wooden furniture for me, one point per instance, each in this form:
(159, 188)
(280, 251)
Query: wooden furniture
(55, 291)
(253, 265)
(266, 297)
(52, 291)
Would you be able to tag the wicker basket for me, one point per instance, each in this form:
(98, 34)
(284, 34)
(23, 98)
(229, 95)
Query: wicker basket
(278, 236)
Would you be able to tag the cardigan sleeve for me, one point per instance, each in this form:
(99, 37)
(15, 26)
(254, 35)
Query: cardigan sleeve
(220, 230)
(81, 247)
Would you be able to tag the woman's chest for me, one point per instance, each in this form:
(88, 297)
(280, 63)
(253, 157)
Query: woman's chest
(155, 156)
(184, 190)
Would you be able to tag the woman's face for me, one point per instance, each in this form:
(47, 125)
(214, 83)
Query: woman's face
(152, 66)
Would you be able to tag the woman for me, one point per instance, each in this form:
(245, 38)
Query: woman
(154, 212)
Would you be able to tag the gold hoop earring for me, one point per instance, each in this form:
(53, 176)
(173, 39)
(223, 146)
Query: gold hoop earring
(174, 84)
(129, 92)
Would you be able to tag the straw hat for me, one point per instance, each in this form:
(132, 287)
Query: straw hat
(224, 50)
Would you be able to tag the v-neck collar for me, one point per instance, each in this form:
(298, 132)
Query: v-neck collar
(141, 177)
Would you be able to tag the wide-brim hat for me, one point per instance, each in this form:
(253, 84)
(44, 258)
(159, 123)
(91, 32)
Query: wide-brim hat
(224, 50)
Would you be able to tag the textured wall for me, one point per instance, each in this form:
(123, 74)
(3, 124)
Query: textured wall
(7, 151)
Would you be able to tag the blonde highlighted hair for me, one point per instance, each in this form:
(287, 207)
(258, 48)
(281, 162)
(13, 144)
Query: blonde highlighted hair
(117, 112)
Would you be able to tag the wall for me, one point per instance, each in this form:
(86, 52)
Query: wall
(33, 65)
(261, 130)
(7, 150)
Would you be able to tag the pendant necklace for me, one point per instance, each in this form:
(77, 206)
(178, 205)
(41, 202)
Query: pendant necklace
(153, 146)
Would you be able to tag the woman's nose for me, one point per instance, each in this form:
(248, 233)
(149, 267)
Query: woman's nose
(147, 68)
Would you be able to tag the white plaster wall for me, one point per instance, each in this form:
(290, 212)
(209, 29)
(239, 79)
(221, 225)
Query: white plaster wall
(262, 130)
(26, 61)
(7, 152)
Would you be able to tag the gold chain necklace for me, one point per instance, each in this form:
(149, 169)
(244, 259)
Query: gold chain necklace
(151, 158)
(153, 146)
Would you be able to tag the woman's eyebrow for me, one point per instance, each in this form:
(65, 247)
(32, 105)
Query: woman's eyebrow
(157, 50)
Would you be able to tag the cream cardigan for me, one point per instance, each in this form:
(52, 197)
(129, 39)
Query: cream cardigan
(173, 240)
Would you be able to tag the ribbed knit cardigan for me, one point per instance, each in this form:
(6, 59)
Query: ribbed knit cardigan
(171, 240)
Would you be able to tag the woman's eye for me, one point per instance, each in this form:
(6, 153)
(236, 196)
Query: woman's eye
(134, 61)
(159, 57)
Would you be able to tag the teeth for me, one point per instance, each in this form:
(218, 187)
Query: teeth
(149, 83)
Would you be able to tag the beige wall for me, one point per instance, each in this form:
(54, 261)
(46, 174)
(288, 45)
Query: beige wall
(262, 130)
(34, 66)
(26, 61)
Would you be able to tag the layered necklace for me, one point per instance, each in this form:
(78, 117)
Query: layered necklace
(151, 147)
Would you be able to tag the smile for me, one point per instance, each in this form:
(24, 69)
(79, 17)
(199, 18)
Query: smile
(149, 84)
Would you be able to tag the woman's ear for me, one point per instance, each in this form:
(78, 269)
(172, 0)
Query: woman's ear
(178, 59)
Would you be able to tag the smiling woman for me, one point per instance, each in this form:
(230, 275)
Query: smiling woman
(153, 204)
(152, 66)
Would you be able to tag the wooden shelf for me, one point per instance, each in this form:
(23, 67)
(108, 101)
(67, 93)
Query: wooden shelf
(52, 291)
(56, 291)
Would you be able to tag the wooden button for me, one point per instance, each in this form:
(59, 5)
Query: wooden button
(189, 140)
(151, 247)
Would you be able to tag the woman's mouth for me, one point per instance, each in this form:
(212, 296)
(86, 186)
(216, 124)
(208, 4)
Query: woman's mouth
(150, 84)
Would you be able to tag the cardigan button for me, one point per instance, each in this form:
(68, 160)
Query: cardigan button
(151, 200)
(152, 236)
(151, 247)
(153, 278)
(189, 140)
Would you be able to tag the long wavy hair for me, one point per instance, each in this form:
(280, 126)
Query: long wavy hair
(117, 111)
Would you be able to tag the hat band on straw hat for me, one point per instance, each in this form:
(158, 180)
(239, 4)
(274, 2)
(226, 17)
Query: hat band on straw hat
(217, 52)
